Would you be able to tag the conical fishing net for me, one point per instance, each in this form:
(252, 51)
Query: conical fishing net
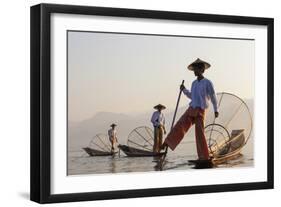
(141, 138)
(233, 128)
(100, 142)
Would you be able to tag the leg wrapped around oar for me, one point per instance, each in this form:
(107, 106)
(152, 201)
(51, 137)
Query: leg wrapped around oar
(190, 117)
(178, 131)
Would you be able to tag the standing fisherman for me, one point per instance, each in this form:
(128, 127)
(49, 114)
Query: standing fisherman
(202, 91)
(158, 121)
(112, 137)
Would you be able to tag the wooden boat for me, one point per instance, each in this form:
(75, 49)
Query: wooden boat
(140, 143)
(228, 134)
(224, 152)
(230, 149)
(99, 146)
(134, 152)
(94, 152)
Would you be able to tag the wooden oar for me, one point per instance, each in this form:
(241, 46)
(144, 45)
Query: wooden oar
(162, 159)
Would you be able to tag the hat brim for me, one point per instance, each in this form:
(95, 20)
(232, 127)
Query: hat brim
(193, 67)
(113, 125)
(159, 107)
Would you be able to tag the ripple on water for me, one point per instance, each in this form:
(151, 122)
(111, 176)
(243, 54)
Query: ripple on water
(81, 164)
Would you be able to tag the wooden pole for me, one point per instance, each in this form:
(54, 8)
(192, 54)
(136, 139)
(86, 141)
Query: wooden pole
(162, 159)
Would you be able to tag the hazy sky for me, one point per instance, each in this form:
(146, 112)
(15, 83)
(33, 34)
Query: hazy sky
(131, 73)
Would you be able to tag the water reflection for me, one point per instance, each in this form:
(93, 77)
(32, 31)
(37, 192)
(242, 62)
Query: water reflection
(78, 163)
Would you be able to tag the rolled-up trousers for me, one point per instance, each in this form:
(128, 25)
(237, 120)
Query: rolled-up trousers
(191, 116)
(158, 138)
(113, 143)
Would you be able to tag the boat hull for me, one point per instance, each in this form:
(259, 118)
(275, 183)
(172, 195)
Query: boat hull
(94, 152)
(232, 148)
(134, 152)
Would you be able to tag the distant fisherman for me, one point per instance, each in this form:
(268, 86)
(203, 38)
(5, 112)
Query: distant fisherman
(158, 121)
(202, 91)
(112, 134)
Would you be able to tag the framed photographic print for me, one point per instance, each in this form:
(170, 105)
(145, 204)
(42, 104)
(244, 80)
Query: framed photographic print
(133, 103)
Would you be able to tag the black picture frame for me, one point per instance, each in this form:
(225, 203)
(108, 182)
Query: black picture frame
(41, 102)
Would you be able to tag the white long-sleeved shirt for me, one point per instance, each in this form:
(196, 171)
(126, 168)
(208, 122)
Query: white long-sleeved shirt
(112, 134)
(201, 92)
(158, 119)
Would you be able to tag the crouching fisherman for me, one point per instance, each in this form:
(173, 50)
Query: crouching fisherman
(202, 91)
(158, 121)
(112, 135)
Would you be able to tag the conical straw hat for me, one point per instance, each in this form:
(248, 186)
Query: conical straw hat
(198, 61)
(159, 106)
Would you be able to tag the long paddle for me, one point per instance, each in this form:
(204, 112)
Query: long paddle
(162, 159)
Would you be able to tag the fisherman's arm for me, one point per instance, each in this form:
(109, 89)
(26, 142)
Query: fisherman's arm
(215, 104)
(153, 118)
(213, 97)
(185, 91)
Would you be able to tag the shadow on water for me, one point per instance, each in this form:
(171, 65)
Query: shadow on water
(176, 166)
(239, 160)
(78, 163)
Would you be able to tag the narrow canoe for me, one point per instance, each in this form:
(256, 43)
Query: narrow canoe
(134, 152)
(94, 152)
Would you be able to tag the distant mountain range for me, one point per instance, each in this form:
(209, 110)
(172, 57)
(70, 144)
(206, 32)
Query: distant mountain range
(81, 133)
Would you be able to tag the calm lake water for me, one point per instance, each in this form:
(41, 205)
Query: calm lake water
(81, 163)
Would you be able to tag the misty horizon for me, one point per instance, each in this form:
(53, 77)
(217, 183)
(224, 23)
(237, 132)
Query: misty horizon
(145, 112)
(129, 73)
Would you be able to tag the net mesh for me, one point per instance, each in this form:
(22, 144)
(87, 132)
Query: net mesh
(141, 138)
(234, 120)
(100, 142)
